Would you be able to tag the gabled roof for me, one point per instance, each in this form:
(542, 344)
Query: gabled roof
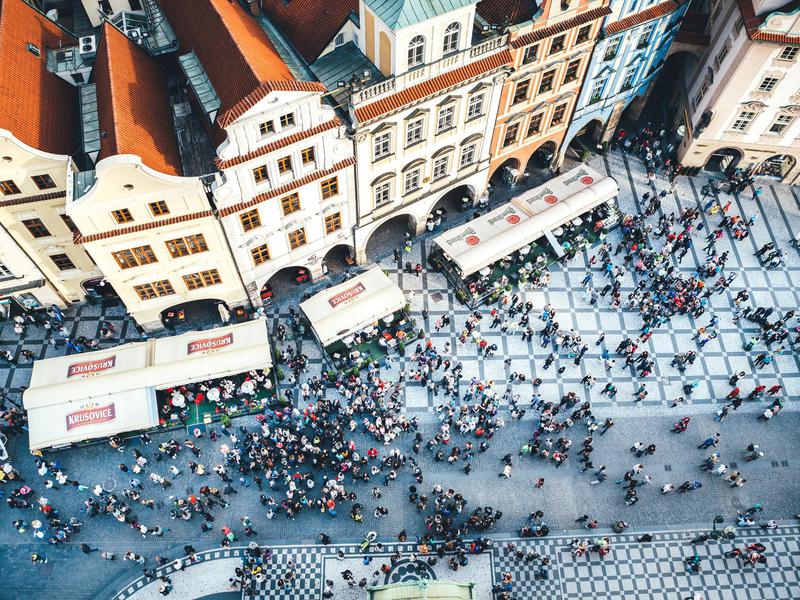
(38, 107)
(654, 12)
(133, 105)
(236, 54)
(513, 12)
(753, 23)
(310, 25)
(545, 32)
(398, 14)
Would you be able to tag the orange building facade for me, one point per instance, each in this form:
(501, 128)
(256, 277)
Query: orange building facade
(551, 50)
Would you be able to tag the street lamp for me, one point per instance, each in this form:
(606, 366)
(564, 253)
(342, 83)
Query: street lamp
(719, 519)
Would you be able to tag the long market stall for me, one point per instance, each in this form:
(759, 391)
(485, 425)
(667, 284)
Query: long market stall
(515, 239)
(85, 396)
(360, 318)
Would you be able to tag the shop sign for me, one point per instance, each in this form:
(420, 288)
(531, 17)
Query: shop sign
(91, 416)
(346, 295)
(91, 367)
(209, 344)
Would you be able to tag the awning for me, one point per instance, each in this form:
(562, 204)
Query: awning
(353, 305)
(113, 391)
(526, 218)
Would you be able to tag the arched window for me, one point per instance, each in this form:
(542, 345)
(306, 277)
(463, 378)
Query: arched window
(451, 35)
(416, 51)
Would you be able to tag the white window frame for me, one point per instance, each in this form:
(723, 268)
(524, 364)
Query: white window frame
(412, 180)
(783, 121)
(415, 131)
(445, 120)
(339, 40)
(789, 53)
(381, 145)
(743, 121)
(416, 51)
(452, 38)
(612, 44)
(627, 80)
(441, 167)
(468, 152)
(475, 106)
(646, 32)
(382, 194)
(5, 272)
(768, 84)
(599, 87)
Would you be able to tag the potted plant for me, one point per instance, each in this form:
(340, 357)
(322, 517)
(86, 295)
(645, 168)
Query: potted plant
(401, 349)
(279, 374)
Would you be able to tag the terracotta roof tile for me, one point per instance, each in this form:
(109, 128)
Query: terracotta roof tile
(39, 108)
(432, 86)
(309, 24)
(498, 12)
(280, 191)
(546, 32)
(752, 22)
(236, 54)
(104, 235)
(37, 198)
(132, 102)
(281, 143)
(643, 16)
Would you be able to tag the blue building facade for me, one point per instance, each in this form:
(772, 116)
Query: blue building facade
(635, 40)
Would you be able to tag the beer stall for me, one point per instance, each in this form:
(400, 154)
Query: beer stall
(137, 386)
(361, 319)
(519, 239)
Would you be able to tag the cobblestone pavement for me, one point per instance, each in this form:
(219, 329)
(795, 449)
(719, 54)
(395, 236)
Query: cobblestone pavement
(567, 494)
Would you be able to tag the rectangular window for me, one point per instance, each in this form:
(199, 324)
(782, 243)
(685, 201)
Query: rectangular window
(475, 107)
(743, 121)
(521, 91)
(627, 81)
(159, 208)
(290, 204)
(511, 134)
(611, 49)
(333, 222)
(768, 84)
(36, 228)
(329, 187)
(250, 220)
(62, 262)
(467, 156)
(557, 45)
(535, 125)
(5, 272)
(644, 35)
(123, 215)
(141, 255)
(382, 192)
(69, 223)
(287, 120)
(739, 25)
(195, 281)
(441, 167)
(308, 155)
(381, 145)
(266, 128)
(411, 181)
(193, 244)
(572, 71)
(339, 40)
(789, 53)
(284, 165)
(44, 182)
(530, 54)
(157, 289)
(260, 174)
(445, 120)
(414, 132)
(297, 238)
(701, 92)
(597, 91)
(583, 34)
(260, 254)
(547, 81)
(8, 187)
(558, 115)
(723, 52)
(781, 124)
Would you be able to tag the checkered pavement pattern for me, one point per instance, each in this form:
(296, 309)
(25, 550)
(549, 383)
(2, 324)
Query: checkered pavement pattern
(777, 218)
(308, 580)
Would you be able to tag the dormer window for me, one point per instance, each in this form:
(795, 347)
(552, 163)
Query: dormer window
(266, 128)
(287, 120)
(416, 51)
(451, 37)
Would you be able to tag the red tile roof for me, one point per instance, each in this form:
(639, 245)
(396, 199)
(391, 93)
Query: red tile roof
(85, 239)
(237, 55)
(281, 143)
(284, 189)
(39, 108)
(309, 24)
(133, 105)
(546, 32)
(513, 12)
(752, 22)
(649, 14)
(432, 86)
(37, 198)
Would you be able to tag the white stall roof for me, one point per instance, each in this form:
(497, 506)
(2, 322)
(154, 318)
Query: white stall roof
(506, 229)
(62, 424)
(353, 305)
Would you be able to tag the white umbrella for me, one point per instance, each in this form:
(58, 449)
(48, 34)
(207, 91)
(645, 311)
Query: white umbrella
(248, 387)
(178, 400)
(224, 313)
(485, 271)
(213, 394)
(524, 250)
